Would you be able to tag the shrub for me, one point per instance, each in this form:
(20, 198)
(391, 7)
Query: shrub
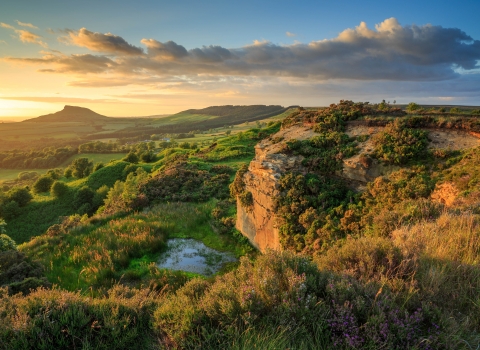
(147, 157)
(398, 144)
(412, 107)
(56, 319)
(54, 173)
(43, 184)
(20, 195)
(59, 189)
(81, 167)
(6, 243)
(68, 173)
(84, 199)
(10, 210)
(131, 158)
(98, 166)
(182, 181)
(19, 273)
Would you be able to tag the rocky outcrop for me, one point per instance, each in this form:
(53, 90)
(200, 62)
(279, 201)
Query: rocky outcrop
(258, 221)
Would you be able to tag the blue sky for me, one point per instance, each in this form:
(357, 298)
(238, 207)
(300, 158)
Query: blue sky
(271, 71)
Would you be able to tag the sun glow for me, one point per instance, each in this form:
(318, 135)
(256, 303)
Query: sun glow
(10, 108)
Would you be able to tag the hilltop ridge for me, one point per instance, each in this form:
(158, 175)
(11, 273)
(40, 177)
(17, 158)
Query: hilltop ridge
(70, 114)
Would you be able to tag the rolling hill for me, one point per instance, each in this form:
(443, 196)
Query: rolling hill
(69, 114)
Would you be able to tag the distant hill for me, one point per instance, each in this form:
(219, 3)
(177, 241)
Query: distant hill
(216, 116)
(70, 114)
(236, 112)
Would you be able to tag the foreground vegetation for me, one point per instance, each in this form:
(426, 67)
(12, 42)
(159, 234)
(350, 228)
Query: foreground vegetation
(387, 268)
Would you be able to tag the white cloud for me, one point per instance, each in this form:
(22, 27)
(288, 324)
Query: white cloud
(24, 35)
(290, 35)
(23, 24)
(389, 52)
(108, 43)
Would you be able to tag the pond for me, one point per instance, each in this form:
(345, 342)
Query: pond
(193, 256)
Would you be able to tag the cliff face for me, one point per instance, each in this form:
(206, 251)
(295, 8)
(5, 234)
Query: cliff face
(259, 222)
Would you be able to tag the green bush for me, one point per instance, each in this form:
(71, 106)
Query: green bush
(10, 210)
(108, 175)
(81, 167)
(20, 195)
(59, 189)
(19, 274)
(131, 158)
(43, 184)
(398, 144)
(98, 166)
(183, 181)
(6, 243)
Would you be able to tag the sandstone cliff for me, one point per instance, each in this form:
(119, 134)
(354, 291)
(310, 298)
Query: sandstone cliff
(258, 222)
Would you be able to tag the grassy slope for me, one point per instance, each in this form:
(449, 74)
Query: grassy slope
(12, 174)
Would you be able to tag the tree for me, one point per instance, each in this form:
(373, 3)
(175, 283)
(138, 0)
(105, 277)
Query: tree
(131, 158)
(412, 106)
(59, 189)
(10, 210)
(6, 243)
(98, 166)
(68, 173)
(20, 195)
(83, 199)
(43, 184)
(81, 167)
(54, 174)
(147, 157)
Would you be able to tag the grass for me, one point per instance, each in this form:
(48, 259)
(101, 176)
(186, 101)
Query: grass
(101, 251)
(12, 174)
(95, 157)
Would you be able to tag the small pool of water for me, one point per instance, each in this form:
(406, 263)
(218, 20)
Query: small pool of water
(193, 256)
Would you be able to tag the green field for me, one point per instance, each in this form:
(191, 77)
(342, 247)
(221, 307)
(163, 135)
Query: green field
(95, 157)
(12, 174)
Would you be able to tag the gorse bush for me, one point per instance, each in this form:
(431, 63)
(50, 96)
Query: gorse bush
(186, 182)
(398, 144)
(310, 207)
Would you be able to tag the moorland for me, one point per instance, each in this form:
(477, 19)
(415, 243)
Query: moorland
(384, 261)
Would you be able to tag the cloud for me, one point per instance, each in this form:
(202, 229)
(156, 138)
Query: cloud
(29, 25)
(5, 25)
(28, 37)
(78, 63)
(289, 34)
(169, 51)
(57, 99)
(3, 42)
(389, 52)
(25, 36)
(107, 43)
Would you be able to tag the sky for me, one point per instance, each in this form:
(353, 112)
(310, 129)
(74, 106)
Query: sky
(125, 58)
